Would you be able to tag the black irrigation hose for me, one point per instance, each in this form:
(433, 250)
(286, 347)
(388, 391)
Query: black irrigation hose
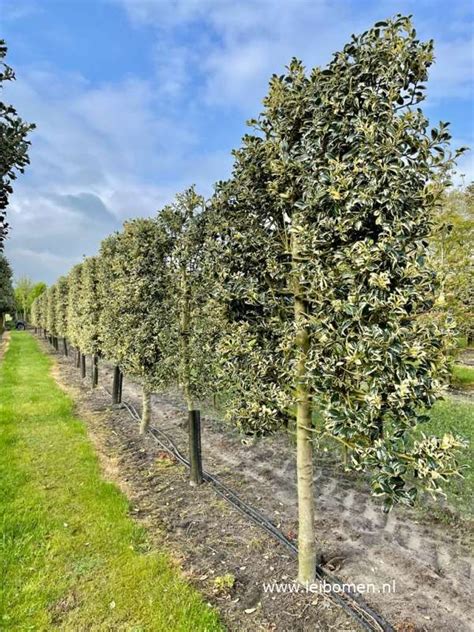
(351, 603)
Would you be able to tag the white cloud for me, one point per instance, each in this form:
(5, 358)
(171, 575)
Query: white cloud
(44, 263)
(99, 155)
(234, 48)
(452, 75)
(106, 152)
(254, 38)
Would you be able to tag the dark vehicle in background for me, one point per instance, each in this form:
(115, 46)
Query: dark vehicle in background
(15, 323)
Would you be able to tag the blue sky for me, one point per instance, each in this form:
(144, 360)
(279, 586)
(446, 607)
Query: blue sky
(137, 99)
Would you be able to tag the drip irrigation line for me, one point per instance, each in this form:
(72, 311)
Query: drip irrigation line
(351, 602)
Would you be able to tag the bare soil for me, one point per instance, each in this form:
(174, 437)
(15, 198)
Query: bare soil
(427, 564)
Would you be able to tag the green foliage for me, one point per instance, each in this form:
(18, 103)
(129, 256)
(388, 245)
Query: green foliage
(189, 331)
(37, 289)
(7, 298)
(452, 243)
(74, 306)
(62, 292)
(51, 305)
(25, 293)
(132, 291)
(88, 309)
(39, 310)
(223, 584)
(328, 211)
(34, 315)
(108, 336)
(13, 145)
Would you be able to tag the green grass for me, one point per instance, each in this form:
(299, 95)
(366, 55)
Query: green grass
(453, 415)
(71, 558)
(461, 342)
(463, 376)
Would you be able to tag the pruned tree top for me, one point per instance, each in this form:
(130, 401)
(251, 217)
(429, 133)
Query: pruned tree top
(132, 291)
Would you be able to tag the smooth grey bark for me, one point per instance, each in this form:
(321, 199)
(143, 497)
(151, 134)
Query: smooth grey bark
(304, 443)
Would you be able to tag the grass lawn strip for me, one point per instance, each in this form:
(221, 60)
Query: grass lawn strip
(72, 559)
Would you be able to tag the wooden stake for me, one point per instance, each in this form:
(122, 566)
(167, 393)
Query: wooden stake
(195, 457)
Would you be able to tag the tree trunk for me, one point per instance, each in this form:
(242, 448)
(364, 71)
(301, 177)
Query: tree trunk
(145, 422)
(194, 416)
(78, 358)
(116, 386)
(304, 444)
(95, 370)
(65, 347)
(185, 322)
(83, 365)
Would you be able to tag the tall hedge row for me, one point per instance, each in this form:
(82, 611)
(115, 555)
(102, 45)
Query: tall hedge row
(301, 288)
(74, 307)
